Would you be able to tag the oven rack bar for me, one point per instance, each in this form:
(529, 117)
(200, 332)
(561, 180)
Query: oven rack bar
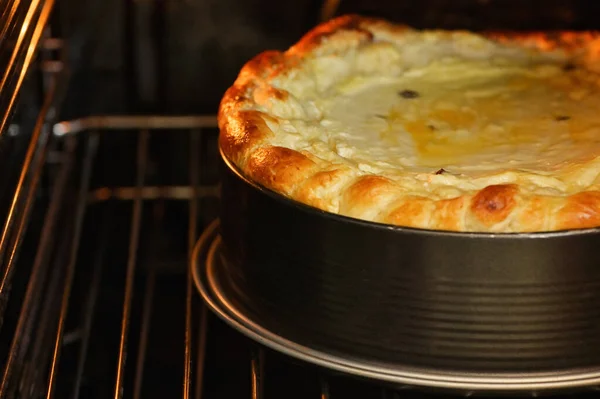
(22, 28)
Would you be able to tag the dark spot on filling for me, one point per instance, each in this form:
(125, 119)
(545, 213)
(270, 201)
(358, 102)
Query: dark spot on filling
(569, 67)
(381, 116)
(431, 127)
(409, 94)
(441, 171)
(561, 118)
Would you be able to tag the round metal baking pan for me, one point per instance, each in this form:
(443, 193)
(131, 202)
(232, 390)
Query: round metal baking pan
(468, 303)
(213, 281)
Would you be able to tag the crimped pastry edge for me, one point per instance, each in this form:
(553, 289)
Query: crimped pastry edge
(499, 208)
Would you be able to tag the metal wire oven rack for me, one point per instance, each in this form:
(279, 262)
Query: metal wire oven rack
(65, 261)
(41, 318)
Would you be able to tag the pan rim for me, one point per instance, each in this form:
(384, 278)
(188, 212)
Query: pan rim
(400, 229)
(203, 272)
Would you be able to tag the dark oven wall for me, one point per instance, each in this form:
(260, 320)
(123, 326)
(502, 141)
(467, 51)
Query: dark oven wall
(171, 56)
(484, 14)
(178, 56)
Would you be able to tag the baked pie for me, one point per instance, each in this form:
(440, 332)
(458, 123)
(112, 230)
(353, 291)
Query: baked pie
(441, 130)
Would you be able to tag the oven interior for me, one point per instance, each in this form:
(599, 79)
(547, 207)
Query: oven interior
(109, 162)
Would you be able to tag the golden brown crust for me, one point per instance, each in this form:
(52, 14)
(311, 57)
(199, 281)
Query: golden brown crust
(279, 168)
(316, 190)
(580, 210)
(410, 211)
(245, 129)
(374, 193)
(534, 214)
(449, 213)
(254, 103)
(315, 37)
(570, 41)
(494, 203)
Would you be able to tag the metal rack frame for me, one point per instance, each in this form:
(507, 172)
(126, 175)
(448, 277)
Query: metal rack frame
(138, 195)
(85, 132)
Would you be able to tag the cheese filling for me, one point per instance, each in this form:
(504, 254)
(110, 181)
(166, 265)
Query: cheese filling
(465, 117)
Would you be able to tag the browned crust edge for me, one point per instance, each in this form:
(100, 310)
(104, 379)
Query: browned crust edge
(244, 135)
